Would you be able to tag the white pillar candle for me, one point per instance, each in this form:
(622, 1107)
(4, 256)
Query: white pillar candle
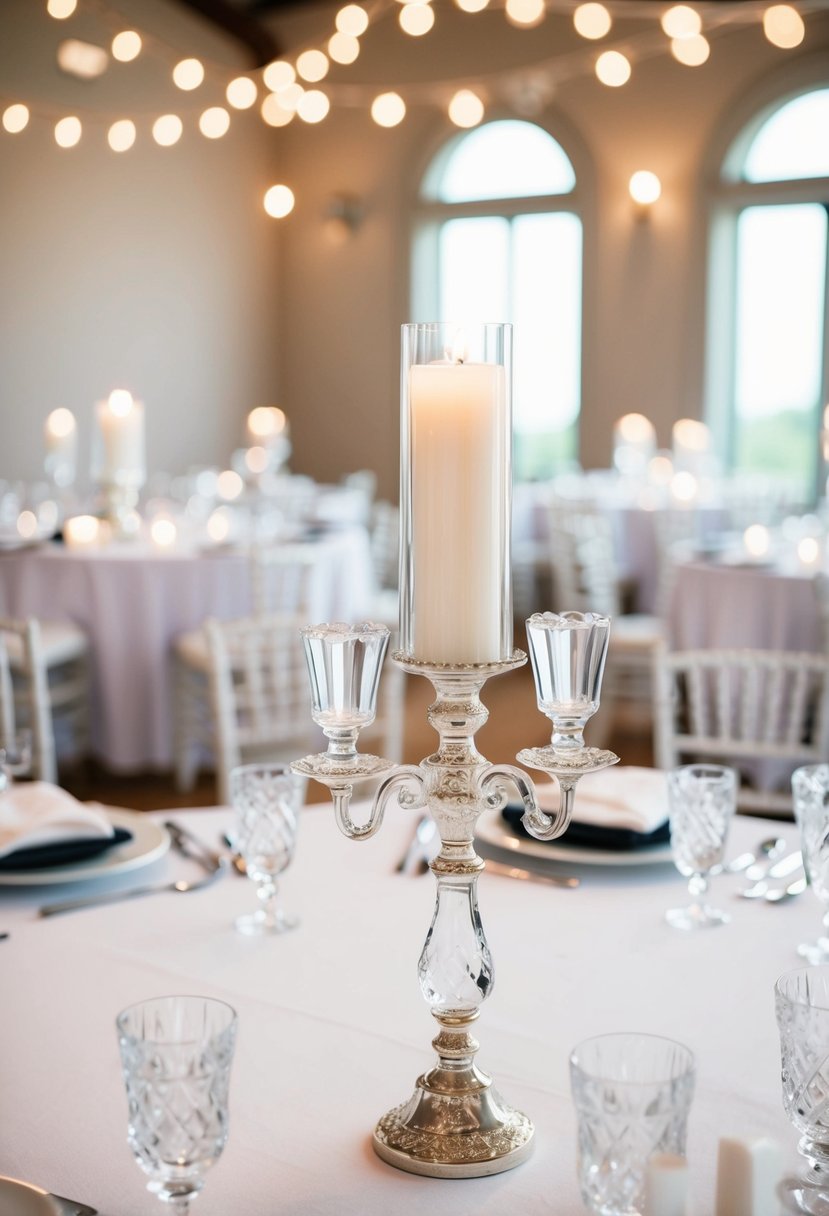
(748, 1172)
(121, 427)
(459, 509)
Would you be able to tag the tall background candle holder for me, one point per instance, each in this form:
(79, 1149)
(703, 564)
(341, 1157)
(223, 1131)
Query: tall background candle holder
(118, 460)
(456, 630)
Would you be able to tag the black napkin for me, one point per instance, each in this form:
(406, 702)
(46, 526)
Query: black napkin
(591, 836)
(62, 852)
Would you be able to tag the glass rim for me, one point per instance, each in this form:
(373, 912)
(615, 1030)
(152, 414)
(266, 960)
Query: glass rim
(276, 767)
(344, 632)
(716, 770)
(435, 326)
(644, 1037)
(789, 977)
(810, 770)
(214, 1001)
(554, 621)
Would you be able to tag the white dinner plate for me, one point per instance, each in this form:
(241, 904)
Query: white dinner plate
(493, 830)
(150, 841)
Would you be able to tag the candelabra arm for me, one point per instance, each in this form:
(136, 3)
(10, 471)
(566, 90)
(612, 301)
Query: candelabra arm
(537, 822)
(406, 781)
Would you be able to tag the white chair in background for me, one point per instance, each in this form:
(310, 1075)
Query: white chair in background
(24, 694)
(764, 712)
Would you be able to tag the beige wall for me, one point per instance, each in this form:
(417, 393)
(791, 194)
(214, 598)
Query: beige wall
(158, 270)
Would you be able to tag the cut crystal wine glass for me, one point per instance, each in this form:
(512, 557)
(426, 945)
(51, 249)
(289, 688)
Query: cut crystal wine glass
(701, 802)
(802, 1009)
(176, 1053)
(266, 799)
(810, 788)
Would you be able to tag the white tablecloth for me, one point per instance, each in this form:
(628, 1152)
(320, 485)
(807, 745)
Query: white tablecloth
(720, 606)
(133, 601)
(333, 1030)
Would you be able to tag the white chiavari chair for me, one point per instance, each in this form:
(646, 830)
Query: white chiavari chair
(24, 694)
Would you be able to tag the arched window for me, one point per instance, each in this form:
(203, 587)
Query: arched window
(498, 238)
(769, 325)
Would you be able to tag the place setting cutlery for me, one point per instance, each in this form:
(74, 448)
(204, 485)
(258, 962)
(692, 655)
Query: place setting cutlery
(187, 845)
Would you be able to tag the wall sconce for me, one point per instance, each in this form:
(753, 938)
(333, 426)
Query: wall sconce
(343, 216)
(645, 188)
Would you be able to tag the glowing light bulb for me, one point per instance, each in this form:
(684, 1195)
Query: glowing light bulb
(278, 75)
(312, 66)
(241, 93)
(388, 109)
(167, 130)
(613, 69)
(591, 20)
(681, 21)
(525, 13)
(416, 18)
(274, 112)
(126, 46)
(352, 20)
(466, 109)
(692, 52)
(214, 122)
(645, 187)
(343, 48)
(68, 132)
(783, 26)
(313, 106)
(188, 74)
(279, 201)
(15, 118)
(121, 135)
(61, 9)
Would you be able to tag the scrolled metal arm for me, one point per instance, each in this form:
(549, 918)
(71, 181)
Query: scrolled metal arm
(537, 822)
(406, 781)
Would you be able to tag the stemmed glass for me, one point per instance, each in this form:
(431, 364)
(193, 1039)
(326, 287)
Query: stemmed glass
(701, 802)
(266, 798)
(802, 1007)
(176, 1053)
(810, 787)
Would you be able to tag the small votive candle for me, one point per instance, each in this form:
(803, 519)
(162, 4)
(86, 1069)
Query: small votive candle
(163, 532)
(808, 552)
(82, 532)
(756, 540)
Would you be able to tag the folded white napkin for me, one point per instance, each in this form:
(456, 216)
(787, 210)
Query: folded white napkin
(634, 798)
(35, 812)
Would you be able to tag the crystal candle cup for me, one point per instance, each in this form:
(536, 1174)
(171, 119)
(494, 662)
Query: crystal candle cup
(344, 664)
(632, 1094)
(567, 653)
(456, 429)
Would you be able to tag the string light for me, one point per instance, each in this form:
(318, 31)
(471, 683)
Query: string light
(591, 20)
(82, 59)
(692, 52)
(278, 75)
(274, 113)
(466, 108)
(352, 20)
(68, 131)
(61, 9)
(126, 46)
(121, 135)
(188, 74)
(343, 48)
(312, 66)
(525, 13)
(289, 97)
(279, 201)
(313, 106)
(783, 26)
(214, 122)
(416, 18)
(167, 130)
(681, 21)
(472, 6)
(16, 118)
(241, 93)
(388, 109)
(613, 69)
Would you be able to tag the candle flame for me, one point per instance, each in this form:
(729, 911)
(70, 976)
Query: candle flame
(60, 423)
(459, 352)
(120, 402)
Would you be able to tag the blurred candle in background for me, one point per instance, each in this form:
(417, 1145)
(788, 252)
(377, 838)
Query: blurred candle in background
(60, 433)
(121, 429)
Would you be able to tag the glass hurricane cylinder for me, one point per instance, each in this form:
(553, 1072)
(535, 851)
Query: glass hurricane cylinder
(456, 428)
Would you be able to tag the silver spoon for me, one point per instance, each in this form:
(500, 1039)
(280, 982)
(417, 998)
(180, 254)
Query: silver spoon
(769, 849)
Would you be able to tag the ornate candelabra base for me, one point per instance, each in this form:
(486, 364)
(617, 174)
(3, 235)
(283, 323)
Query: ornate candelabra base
(455, 1125)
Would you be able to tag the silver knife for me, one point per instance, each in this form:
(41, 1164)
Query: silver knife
(70, 1207)
(192, 846)
(550, 880)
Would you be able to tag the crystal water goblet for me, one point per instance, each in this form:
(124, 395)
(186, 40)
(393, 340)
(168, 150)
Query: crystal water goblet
(176, 1053)
(632, 1094)
(810, 790)
(266, 799)
(567, 655)
(801, 1001)
(701, 803)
